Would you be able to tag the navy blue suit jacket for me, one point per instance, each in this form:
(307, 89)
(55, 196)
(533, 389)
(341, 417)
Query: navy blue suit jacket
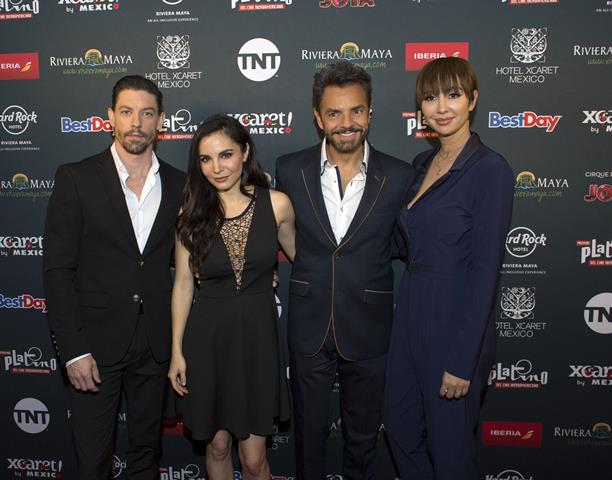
(348, 286)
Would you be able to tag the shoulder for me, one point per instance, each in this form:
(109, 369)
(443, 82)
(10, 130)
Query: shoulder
(300, 157)
(492, 163)
(83, 166)
(279, 199)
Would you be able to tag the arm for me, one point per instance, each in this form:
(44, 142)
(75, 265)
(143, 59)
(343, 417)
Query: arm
(491, 220)
(182, 296)
(285, 219)
(63, 233)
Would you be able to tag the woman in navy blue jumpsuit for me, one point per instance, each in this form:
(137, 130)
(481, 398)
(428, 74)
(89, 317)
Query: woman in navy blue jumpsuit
(443, 338)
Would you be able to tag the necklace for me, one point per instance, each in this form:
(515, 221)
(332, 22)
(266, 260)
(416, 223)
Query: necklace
(444, 161)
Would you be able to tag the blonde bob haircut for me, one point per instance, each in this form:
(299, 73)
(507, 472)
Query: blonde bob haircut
(445, 74)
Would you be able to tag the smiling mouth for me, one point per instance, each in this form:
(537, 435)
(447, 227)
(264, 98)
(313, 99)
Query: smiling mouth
(220, 179)
(444, 121)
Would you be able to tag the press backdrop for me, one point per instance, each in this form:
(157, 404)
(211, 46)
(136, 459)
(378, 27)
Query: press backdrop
(544, 68)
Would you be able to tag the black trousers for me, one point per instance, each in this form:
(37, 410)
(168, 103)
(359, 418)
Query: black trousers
(94, 415)
(361, 389)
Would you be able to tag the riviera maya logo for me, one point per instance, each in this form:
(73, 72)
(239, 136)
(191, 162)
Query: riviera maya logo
(173, 51)
(525, 181)
(528, 45)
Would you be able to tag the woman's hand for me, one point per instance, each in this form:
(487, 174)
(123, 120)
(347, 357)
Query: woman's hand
(177, 375)
(453, 387)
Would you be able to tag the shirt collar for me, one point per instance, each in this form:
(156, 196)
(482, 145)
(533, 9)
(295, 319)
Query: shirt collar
(325, 163)
(122, 171)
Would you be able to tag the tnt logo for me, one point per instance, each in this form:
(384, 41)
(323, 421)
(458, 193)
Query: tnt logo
(259, 59)
(31, 415)
(598, 313)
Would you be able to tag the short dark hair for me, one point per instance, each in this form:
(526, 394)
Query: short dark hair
(443, 74)
(137, 82)
(340, 74)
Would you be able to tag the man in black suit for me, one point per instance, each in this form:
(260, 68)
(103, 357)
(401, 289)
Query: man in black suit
(109, 235)
(346, 196)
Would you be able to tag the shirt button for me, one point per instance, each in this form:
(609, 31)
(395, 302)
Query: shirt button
(136, 298)
(141, 263)
(342, 209)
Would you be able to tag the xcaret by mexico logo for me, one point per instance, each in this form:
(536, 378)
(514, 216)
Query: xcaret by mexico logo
(35, 467)
(512, 434)
(274, 123)
(21, 246)
(599, 120)
(592, 375)
(25, 301)
(89, 6)
(19, 66)
(418, 54)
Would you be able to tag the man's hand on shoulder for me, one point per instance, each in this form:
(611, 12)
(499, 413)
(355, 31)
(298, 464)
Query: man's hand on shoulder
(83, 374)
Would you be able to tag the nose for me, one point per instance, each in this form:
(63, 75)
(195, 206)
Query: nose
(346, 121)
(442, 103)
(216, 165)
(135, 119)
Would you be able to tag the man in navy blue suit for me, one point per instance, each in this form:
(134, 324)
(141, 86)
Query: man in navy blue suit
(346, 196)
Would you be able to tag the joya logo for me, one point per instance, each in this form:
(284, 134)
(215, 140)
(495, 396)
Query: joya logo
(89, 125)
(524, 120)
(23, 302)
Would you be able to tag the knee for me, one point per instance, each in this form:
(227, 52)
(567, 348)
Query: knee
(253, 463)
(219, 449)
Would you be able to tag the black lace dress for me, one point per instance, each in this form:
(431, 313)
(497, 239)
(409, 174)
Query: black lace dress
(235, 376)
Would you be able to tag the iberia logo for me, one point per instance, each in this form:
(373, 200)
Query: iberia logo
(418, 54)
(512, 434)
(19, 66)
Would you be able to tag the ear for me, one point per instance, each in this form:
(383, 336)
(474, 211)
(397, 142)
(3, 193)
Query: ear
(160, 121)
(111, 116)
(318, 118)
(246, 153)
(370, 113)
(473, 102)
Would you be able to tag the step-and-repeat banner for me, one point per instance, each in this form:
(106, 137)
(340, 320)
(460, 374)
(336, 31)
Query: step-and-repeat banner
(545, 69)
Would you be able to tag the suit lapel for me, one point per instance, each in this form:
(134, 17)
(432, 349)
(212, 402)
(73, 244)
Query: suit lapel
(166, 214)
(311, 175)
(375, 181)
(112, 187)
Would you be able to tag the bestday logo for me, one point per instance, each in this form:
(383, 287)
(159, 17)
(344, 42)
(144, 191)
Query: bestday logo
(524, 120)
(23, 302)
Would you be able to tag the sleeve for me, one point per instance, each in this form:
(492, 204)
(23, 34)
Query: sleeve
(491, 221)
(399, 245)
(62, 239)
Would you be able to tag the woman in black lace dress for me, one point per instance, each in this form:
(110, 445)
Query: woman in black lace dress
(225, 347)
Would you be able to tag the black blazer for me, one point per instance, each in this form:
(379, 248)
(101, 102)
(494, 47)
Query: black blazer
(94, 274)
(347, 287)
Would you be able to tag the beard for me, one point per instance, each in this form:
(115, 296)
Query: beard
(135, 146)
(342, 145)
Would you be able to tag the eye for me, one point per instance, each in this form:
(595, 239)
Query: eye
(147, 114)
(226, 155)
(454, 94)
(332, 114)
(429, 98)
(124, 112)
(359, 111)
(204, 158)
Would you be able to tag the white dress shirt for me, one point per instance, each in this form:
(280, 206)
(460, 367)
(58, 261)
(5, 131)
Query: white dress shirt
(341, 208)
(142, 210)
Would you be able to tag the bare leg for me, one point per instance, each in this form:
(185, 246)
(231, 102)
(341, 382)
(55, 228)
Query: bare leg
(218, 457)
(252, 452)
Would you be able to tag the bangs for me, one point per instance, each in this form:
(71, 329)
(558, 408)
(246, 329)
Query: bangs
(445, 75)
